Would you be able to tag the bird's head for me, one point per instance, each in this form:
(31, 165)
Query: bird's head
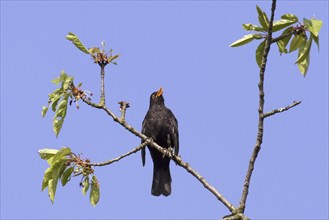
(156, 97)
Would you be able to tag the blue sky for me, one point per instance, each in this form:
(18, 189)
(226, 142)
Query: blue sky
(212, 89)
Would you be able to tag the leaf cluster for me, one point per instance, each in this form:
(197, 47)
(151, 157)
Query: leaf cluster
(62, 165)
(61, 97)
(99, 56)
(295, 35)
(58, 101)
(57, 170)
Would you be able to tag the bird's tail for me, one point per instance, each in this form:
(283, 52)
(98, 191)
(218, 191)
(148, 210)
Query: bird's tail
(161, 182)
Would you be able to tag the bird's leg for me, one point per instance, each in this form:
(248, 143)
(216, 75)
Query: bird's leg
(170, 149)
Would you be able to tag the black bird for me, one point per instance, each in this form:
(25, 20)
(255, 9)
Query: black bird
(161, 125)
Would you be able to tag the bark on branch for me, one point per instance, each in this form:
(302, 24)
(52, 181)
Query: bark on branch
(279, 110)
(144, 144)
(259, 138)
(168, 153)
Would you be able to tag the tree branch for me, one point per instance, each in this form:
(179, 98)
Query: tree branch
(102, 99)
(144, 144)
(237, 216)
(164, 151)
(202, 180)
(123, 108)
(279, 110)
(259, 138)
(274, 40)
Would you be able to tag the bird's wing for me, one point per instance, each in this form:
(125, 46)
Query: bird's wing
(143, 149)
(174, 133)
(143, 156)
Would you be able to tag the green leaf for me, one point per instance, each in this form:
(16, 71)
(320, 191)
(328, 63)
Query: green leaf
(111, 58)
(67, 83)
(67, 175)
(94, 50)
(59, 79)
(52, 185)
(313, 25)
(58, 168)
(94, 191)
(54, 98)
(54, 104)
(304, 50)
(262, 18)
(44, 111)
(282, 44)
(46, 153)
(57, 125)
(303, 65)
(316, 40)
(75, 40)
(280, 24)
(246, 39)
(60, 114)
(258, 36)
(317, 25)
(296, 42)
(62, 108)
(63, 75)
(290, 17)
(252, 27)
(47, 176)
(50, 161)
(61, 154)
(55, 94)
(56, 81)
(85, 185)
(259, 53)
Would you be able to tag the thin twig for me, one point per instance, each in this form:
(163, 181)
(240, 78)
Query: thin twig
(144, 144)
(102, 100)
(279, 110)
(274, 40)
(123, 107)
(259, 138)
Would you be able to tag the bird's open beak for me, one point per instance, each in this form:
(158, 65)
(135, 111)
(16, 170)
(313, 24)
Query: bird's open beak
(159, 93)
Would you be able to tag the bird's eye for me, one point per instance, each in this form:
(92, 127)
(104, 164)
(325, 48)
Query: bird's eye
(153, 96)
